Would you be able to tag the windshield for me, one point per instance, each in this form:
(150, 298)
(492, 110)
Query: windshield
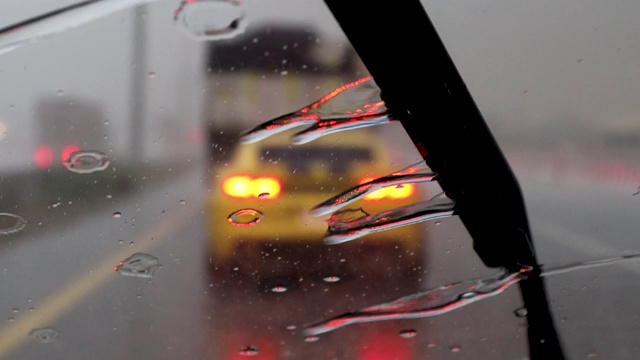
(283, 180)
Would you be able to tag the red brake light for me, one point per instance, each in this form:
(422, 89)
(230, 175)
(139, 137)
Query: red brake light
(43, 157)
(397, 192)
(67, 151)
(247, 187)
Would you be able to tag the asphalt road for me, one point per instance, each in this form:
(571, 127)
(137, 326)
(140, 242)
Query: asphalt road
(63, 279)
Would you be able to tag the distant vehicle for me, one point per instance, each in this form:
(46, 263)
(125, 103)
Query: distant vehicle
(259, 210)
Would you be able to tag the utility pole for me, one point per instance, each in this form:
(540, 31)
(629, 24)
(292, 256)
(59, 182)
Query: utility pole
(138, 84)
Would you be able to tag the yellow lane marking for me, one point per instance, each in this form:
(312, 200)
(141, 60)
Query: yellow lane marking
(59, 303)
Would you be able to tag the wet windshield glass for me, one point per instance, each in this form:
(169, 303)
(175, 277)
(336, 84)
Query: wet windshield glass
(227, 179)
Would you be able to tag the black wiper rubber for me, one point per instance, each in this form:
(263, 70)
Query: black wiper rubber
(421, 86)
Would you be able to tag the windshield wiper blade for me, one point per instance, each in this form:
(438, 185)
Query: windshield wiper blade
(420, 85)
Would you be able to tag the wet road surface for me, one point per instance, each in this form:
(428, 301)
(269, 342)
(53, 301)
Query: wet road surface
(63, 279)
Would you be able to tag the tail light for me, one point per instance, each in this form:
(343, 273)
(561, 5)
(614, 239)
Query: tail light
(247, 187)
(396, 192)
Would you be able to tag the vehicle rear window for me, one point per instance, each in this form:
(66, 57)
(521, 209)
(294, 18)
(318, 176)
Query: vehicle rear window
(337, 159)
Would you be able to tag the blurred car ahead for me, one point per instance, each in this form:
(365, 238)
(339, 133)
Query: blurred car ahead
(259, 210)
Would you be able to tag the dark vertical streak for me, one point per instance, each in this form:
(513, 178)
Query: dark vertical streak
(421, 85)
(138, 85)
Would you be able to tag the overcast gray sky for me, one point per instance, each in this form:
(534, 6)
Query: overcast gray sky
(527, 64)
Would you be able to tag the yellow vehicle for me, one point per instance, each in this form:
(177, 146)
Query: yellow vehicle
(259, 211)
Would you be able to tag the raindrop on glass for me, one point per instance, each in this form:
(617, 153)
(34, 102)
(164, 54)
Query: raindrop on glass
(85, 162)
(151, 75)
(407, 334)
(245, 217)
(120, 241)
(45, 335)
(138, 265)
(291, 327)
(331, 279)
(455, 349)
(55, 205)
(11, 223)
(438, 223)
(311, 338)
(210, 19)
(117, 214)
(249, 351)
(264, 195)
(279, 289)
(15, 310)
(60, 92)
(521, 312)
(182, 202)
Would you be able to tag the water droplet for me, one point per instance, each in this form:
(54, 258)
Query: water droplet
(11, 223)
(290, 327)
(249, 351)
(139, 265)
(120, 241)
(245, 217)
(31, 308)
(438, 223)
(521, 312)
(331, 279)
(85, 162)
(455, 349)
(15, 310)
(56, 204)
(211, 19)
(11, 319)
(182, 202)
(311, 338)
(431, 345)
(279, 289)
(117, 214)
(264, 195)
(407, 334)
(60, 92)
(109, 196)
(45, 335)
(151, 75)
(593, 354)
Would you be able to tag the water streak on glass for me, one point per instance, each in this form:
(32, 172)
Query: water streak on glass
(138, 265)
(86, 162)
(325, 127)
(437, 301)
(407, 175)
(344, 226)
(209, 20)
(363, 107)
(16, 223)
(57, 21)
(446, 298)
